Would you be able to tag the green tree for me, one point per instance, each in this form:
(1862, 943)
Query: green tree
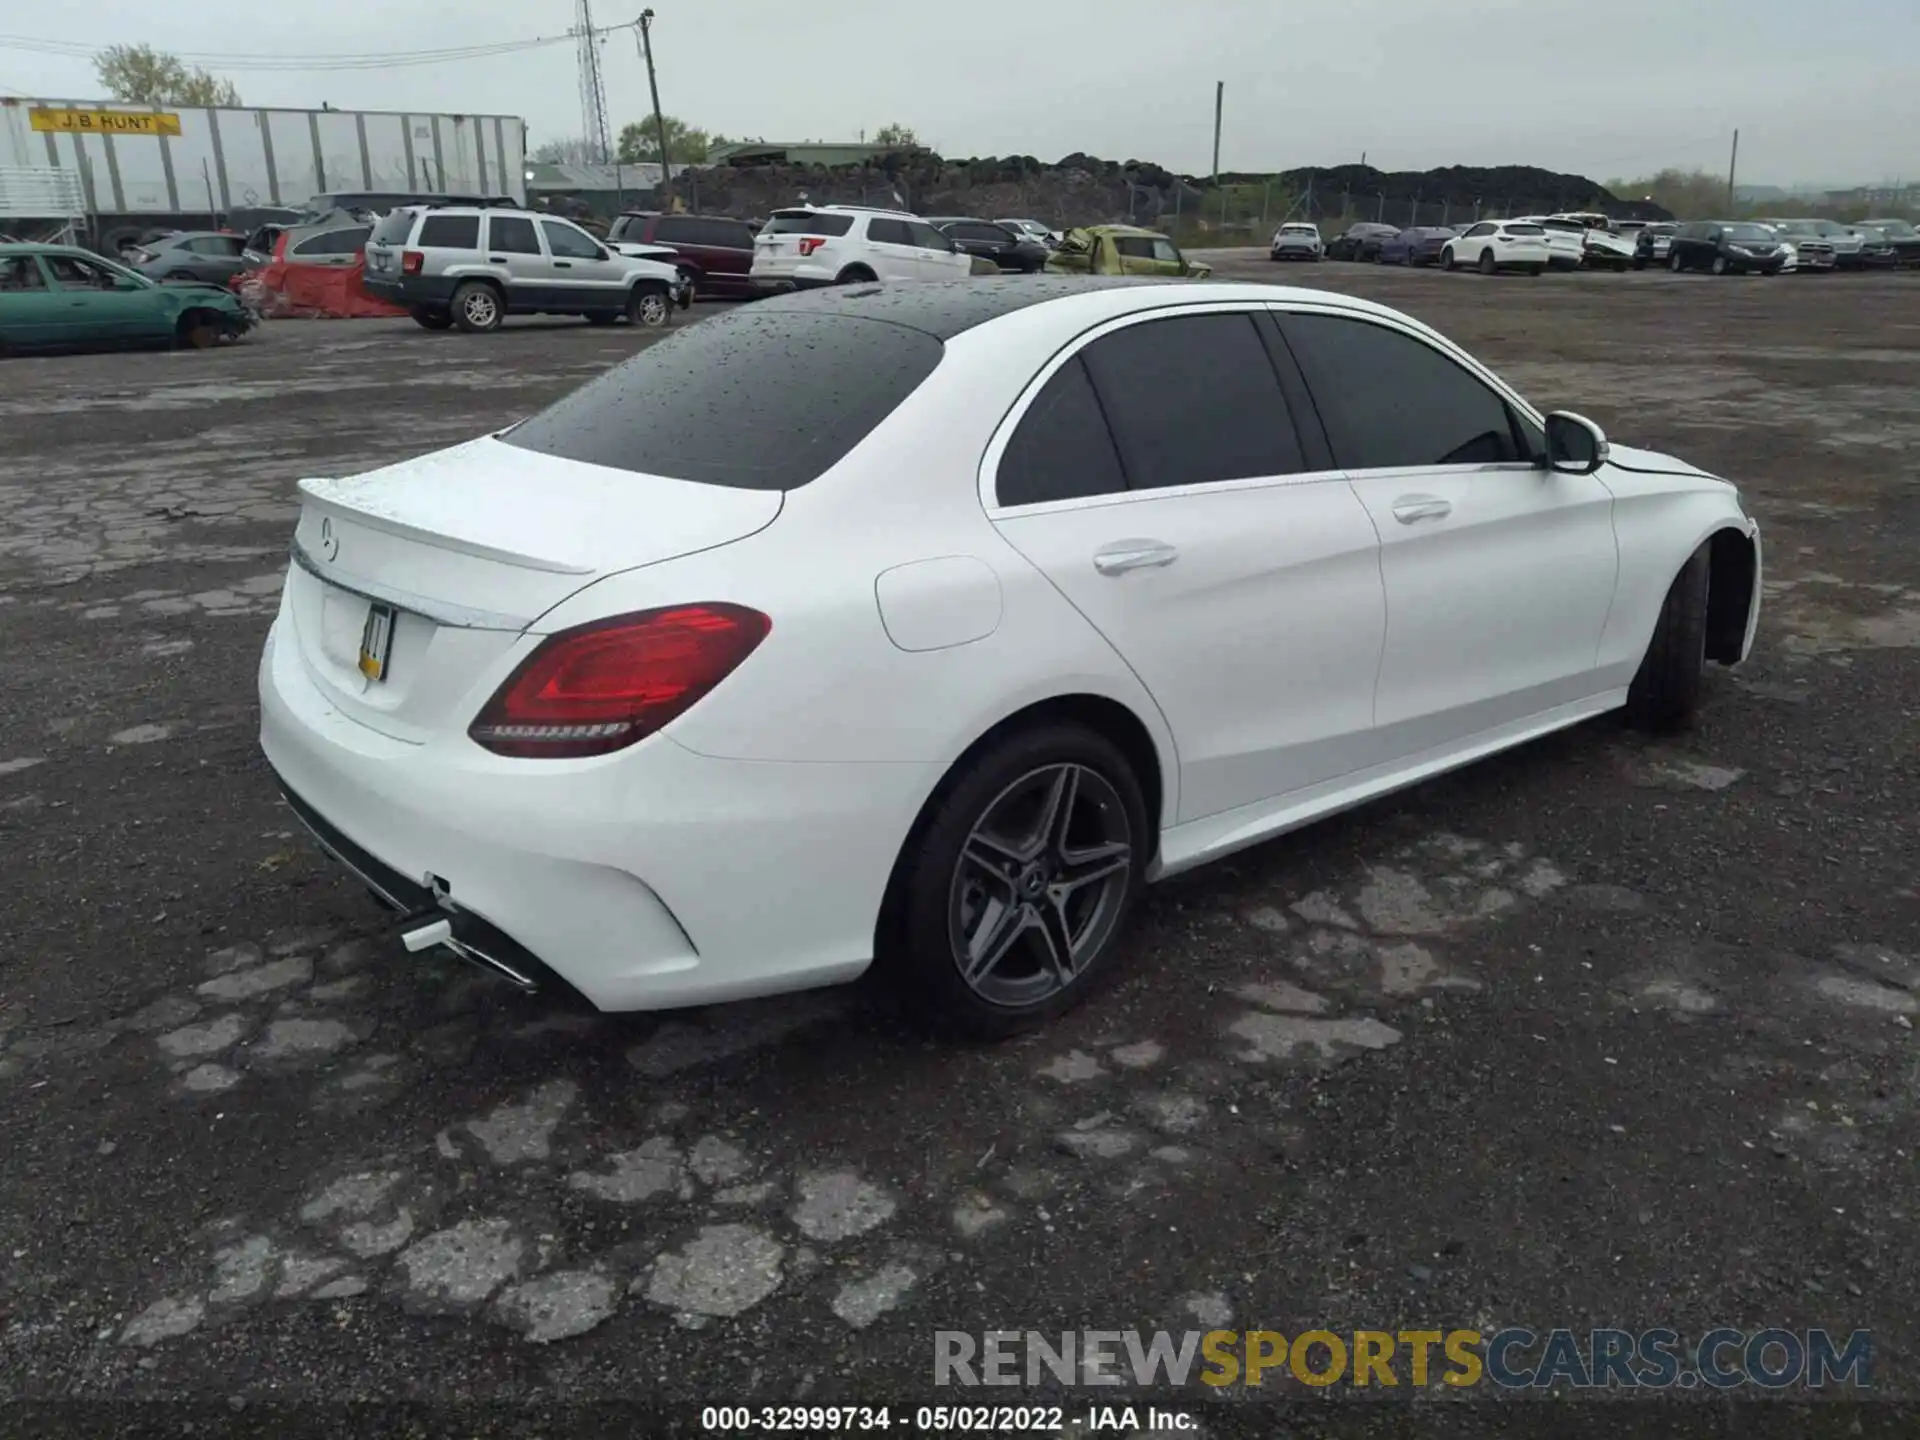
(1689, 194)
(895, 134)
(141, 75)
(640, 142)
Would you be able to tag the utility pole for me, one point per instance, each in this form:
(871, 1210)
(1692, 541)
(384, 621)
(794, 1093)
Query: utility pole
(664, 197)
(1219, 104)
(1733, 164)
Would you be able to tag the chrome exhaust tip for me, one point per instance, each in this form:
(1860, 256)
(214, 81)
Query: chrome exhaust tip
(421, 933)
(444, 930)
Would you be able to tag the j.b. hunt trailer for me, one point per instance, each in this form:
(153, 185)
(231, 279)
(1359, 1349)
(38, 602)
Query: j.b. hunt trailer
(111, 174)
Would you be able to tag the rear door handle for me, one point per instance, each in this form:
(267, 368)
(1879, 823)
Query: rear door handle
(1125, 555)
(496, 259)
(563, 264)
(1410, 508)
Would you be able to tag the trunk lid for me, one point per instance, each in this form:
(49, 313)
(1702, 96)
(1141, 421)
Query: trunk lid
(466, 549)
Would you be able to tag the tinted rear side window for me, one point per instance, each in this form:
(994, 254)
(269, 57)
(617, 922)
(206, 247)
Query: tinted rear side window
(1390, 400)
(808, 223)
(453, 232)
(1063, 449)
(1194, 399)
(757, 399)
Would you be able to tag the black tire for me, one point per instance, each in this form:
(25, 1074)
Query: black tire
(649, 305)
(855, 275)
(478, 307)
(427, 317)
(935, 887)
(1665, 693)
(1536, 271)
(1676, 262)
(198, 330)
(1487, 263)
(1447, 262)
(1719, 266)
(1639, 262)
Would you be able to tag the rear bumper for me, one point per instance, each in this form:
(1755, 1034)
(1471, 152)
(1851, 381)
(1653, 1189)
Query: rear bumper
(651, 879)
(785, 284)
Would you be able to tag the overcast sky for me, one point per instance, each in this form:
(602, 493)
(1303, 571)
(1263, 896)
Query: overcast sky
(1823, 91)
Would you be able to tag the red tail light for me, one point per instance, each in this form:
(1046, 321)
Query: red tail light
(810, 243)
(599, 688)
(411, 261)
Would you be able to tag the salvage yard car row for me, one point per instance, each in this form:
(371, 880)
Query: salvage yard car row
(1590, 240)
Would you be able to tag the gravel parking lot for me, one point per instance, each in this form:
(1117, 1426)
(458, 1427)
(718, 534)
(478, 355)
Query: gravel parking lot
(1603, 1032)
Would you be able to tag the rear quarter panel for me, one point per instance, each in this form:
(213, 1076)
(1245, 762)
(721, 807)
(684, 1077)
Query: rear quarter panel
(829, 684)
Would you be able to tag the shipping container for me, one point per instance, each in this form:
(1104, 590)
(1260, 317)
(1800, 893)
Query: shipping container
(146, 167)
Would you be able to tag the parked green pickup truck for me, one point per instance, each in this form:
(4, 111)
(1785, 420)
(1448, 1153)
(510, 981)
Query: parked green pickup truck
(1121, 250)
(59, 297)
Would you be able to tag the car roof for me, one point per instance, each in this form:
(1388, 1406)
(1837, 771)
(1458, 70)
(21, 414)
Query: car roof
(957, 220)
(946, 308)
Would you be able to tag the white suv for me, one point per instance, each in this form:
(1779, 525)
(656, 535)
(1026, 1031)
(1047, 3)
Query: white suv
(843, 244)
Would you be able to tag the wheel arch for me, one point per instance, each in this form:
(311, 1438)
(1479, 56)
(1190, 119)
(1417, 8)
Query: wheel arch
(1102, 714)
(1733, 571)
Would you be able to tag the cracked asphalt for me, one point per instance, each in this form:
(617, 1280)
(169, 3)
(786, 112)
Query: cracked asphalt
(1602, 1032)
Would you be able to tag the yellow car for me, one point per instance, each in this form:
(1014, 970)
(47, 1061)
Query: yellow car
(1121, 250)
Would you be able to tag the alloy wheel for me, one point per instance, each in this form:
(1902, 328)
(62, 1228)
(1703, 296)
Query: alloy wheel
(1040, 884)
(481, 308)
(653, 309)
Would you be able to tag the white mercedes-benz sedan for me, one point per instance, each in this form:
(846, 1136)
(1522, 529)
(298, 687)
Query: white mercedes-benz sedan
(921, 627)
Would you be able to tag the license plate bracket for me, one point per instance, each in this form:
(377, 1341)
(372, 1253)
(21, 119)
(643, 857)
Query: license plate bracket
(376, 641)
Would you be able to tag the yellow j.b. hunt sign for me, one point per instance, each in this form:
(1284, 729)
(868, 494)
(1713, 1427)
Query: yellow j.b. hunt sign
(104, 122)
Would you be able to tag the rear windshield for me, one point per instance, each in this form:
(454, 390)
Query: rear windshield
(756, 399)
(393, 230)
(808, 222)
(1523, 229)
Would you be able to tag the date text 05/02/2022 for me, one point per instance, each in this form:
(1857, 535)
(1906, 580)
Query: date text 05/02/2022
(943, 1419)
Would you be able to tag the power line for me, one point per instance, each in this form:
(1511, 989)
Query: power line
(376, 60)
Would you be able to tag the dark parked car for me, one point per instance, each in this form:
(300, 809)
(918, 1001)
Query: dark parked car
(989, 240)
(1902, 236)
(1416, 245)
(1726, 247)
(1652, 243)
(715, 251)
(1360, 242)
(212, 257)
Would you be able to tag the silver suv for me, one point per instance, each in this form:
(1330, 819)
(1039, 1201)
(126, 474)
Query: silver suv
(472, 266)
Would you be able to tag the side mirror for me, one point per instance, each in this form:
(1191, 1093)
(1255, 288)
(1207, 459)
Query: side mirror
(1575, 445)
(601, 253)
